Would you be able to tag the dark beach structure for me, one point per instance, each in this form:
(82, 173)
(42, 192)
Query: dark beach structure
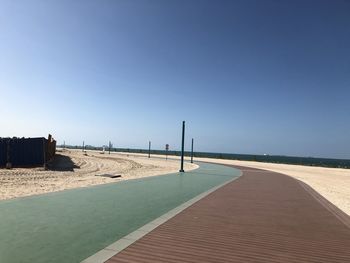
(26, 152)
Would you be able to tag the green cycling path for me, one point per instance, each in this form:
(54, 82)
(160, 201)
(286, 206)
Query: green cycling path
(71, 225)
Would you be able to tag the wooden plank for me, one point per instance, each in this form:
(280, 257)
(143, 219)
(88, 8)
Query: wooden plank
(261, 217)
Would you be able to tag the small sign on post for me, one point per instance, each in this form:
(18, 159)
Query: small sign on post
(166, 151)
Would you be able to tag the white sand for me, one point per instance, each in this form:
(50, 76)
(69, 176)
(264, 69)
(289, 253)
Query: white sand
(73, 169)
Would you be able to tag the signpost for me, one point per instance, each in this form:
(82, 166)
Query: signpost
(166, 151)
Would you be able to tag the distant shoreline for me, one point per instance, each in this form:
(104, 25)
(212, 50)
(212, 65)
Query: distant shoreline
(307, 161)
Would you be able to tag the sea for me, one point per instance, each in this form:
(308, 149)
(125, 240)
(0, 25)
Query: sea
(309, 161)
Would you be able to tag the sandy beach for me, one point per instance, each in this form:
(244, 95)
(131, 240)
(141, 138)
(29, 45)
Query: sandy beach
(73, 169)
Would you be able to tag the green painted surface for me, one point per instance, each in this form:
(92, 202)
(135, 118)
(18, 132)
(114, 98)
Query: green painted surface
(71, 225)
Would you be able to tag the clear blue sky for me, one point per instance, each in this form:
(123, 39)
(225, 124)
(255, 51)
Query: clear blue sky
(247, 76)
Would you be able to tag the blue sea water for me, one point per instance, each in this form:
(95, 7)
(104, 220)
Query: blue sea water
(310, 161)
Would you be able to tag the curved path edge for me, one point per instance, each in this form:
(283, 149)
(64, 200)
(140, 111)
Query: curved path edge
(337, 212)
(263, 216)
(113, 249)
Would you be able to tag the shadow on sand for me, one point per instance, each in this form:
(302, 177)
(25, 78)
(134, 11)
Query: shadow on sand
(62, 163)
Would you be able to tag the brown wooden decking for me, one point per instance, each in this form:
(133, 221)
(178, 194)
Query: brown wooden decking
(261, 217)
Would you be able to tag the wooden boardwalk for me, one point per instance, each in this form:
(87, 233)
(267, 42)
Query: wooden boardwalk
(261, 217)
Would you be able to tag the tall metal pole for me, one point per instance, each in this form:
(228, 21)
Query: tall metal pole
(83, 145)
(166, 151)
(192, 152)
(182, 148)
(149, 149)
